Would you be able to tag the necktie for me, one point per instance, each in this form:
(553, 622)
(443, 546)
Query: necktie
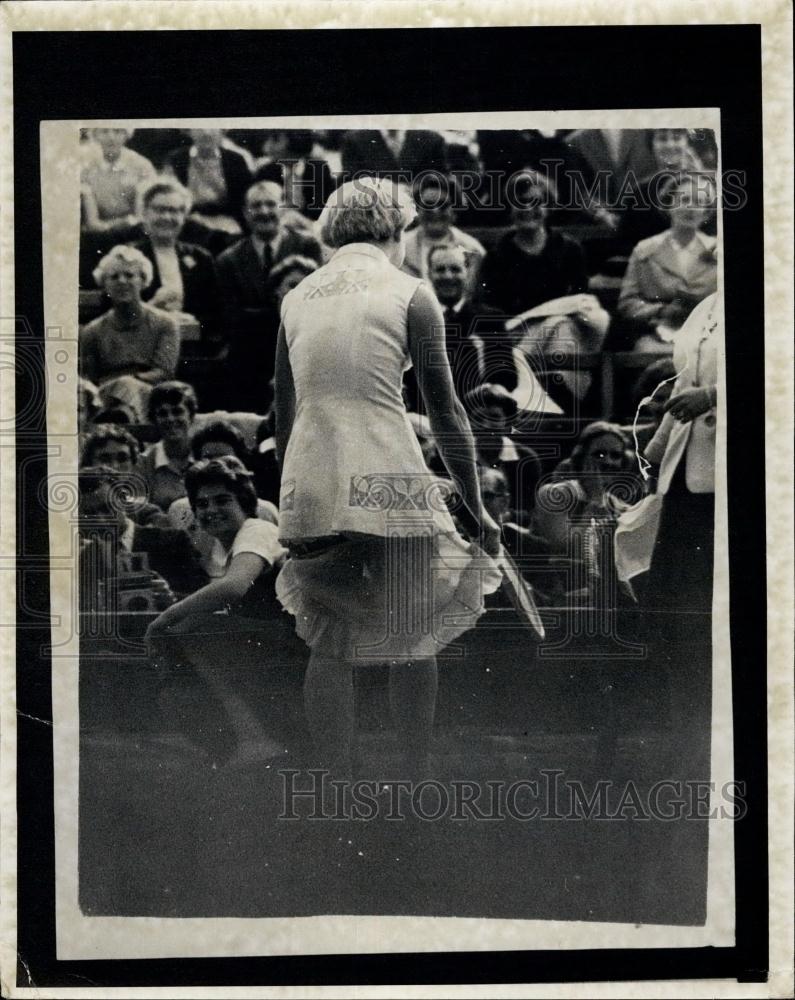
(267, 262)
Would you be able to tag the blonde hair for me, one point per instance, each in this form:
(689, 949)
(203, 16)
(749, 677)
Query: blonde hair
(127, 255)
(366, 210)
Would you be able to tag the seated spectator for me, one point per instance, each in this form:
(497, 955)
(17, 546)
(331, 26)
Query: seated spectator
(108, 532)
(157, 144)
(394, 153)
(495, 492)
(477, 345)
(287, 161)
(583, 489)
(492, 411)
(109, 179)
(133, 346)
(184, 280)
(216, 177)
(251, 318)
(219, 628)
(172, 409)
(435, 197)
(616, 156)
(219, 439)
(669, 274)
(570, 176)
(642, 211)
(112, 447)
(531, 264)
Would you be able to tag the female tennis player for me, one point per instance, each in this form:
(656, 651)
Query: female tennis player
(377, 570)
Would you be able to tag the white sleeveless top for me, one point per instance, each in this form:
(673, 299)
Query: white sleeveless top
(353, 462)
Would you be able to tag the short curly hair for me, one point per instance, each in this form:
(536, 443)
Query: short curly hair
(173, 392)
(104, 433)
(162, 185)
(366, 210)
(126, 255)
(219, 430)
(228, 472)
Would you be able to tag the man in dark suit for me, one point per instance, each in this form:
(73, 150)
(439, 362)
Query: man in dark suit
(393, 153)
(250, 318)
(614, 154)
(477, 345)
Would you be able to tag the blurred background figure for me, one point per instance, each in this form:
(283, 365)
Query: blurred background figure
(109, 181)
(216, 177)
(436, 198)
(395, 153)
(617, 154)
(492, 410)
(287, 160)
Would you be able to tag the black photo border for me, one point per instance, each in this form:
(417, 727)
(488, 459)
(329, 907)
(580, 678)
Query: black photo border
(170, 74)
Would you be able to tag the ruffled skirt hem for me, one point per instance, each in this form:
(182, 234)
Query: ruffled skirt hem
(375, 599)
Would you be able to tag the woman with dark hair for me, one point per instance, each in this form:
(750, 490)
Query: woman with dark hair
(172, 409)
(217, 439)
(218, 628)
(531, 264)
(374, 551)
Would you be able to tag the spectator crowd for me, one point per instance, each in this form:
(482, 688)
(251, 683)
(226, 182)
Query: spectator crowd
(565, 263)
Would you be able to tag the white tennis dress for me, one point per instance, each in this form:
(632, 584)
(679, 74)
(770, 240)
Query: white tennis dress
(354, 476)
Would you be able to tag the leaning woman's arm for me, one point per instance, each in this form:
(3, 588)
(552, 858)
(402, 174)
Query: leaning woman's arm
(283, 396)
(449, 423)
(217, 595)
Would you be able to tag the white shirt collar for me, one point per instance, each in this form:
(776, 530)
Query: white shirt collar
(399, 137)
(159, 456)
(127, 536)
(193, 153)
(275, 243)
(368, 249)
